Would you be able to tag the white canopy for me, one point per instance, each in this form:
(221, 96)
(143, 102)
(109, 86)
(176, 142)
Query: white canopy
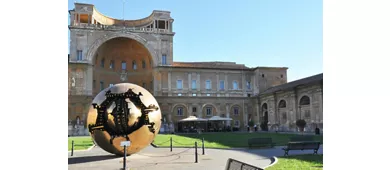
(218, 118)
(192, 119)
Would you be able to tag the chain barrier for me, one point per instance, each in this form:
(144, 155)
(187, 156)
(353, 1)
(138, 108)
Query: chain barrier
(161, 143)
(165, 155)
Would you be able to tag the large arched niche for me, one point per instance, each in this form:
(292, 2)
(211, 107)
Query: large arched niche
(98, 42)
(122, 60)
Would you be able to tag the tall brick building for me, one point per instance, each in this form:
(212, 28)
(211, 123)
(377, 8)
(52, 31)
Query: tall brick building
(106, 51)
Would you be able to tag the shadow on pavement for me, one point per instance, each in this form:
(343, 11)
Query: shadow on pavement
(85, 159)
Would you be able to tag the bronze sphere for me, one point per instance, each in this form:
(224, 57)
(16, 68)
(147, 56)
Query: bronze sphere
(124, 112)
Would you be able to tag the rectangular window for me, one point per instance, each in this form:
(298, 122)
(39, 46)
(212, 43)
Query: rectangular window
(248, 85)
(236, 123)
(123, 65)
(235, 85)
(208, 111)
(111, 64)
(179, 94)
(101, 86)
(193, 94)
(164, 59)
(208, 84)
(179, 84)
(110, 85)
(79, 55)
(194, 109)
(193, 84)
(221, 85)
(207, 94)
(180, 111)
(235, 111)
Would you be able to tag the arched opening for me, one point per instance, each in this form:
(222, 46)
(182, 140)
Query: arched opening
(121, 51)
(282, 111)
(264, 122)
(304, 108)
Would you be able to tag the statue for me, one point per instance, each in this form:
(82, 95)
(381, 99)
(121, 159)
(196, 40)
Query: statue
(124, 112)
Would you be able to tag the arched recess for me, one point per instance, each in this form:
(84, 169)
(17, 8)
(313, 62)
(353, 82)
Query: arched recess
(304, 108)
(240, 111)
(214, 110)
(98, 42)
(264, 111)
(175, 107)
(282, 105)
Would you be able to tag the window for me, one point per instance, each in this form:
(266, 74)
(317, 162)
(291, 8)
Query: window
(180, 111)
(208, 111)
(235, 110)
(111, 85)
(193, 94)
(94, 84)
(235, 85)
(144, 85)
(262, 75)
(221, 85)
(307, 114)
(281, 76)
(179, 94)
(164, 59)
(207, 94)
(193, 84)
(143, 64)
(179, 84)
(236, 123)
(79, 55)
(248, 85)
(208, 84)
(193, 109)
(112, 64)
(123, 65)
(134, 65)
(101, 86)
(102, 63)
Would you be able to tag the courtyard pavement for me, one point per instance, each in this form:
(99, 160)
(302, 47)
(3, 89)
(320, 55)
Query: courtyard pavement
(179, 158)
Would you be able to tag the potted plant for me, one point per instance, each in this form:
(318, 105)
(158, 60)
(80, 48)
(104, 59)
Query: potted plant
(251, 123)
(301, 124)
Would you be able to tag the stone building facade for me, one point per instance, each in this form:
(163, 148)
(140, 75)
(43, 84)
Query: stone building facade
(106, 51)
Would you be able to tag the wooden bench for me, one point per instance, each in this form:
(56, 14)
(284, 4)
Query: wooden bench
(309, 145)
(260, 142)
(301, 138)
(233, 164)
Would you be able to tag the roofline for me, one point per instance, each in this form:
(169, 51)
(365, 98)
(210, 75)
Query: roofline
(287, 89)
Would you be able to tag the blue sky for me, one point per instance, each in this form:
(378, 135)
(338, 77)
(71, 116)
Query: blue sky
(279, 33)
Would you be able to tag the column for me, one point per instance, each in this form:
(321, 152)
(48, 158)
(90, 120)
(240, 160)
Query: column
(189, 82)
(89, 19)
(257, 113)
(169, 81)
(78, 18)
(226, 81)
(243, 84)
(198, 81)
(160, 81)
(228, 113)
(217, 82)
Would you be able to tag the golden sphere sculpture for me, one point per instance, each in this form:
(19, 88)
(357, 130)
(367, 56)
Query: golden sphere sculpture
(124, 112)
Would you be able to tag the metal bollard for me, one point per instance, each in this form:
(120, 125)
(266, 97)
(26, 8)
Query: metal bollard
(202, 146)
(171, 144)
(196, 152)
(71, 154)
(124, 158)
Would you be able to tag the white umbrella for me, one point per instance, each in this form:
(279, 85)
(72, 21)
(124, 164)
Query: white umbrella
(192, 119)
(218, 118)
